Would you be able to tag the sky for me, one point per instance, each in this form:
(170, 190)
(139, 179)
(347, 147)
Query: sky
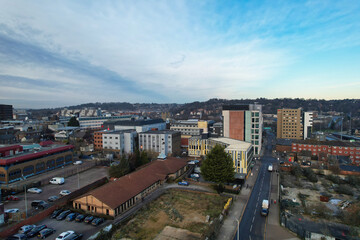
(62, 53)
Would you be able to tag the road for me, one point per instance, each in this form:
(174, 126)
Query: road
(253, 224)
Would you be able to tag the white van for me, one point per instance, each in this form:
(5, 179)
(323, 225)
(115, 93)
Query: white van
(57, 180)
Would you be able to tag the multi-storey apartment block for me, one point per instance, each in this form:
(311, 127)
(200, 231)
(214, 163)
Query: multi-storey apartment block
(120, 141)
(244, 123)
(294, 124)
(189, 128)
(162, 141)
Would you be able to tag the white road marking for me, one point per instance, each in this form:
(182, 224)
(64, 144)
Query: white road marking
(253, 219)
(251, 229)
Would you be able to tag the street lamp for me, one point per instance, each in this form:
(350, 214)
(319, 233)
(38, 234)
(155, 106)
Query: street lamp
(238, 226)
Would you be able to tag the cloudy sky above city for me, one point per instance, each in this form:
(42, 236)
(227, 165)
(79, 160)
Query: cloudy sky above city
(61, 53)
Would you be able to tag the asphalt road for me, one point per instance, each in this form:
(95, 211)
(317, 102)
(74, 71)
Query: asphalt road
(253, 224)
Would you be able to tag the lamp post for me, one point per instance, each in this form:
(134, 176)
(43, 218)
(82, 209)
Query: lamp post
(238, 225)
(77, 167)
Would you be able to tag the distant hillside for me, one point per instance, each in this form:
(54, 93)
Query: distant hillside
(271, 105)
(215, 105)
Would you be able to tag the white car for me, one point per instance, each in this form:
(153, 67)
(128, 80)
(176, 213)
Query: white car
(78, 162)
(12, 210)
(64, 235)
(64, 192)
(34, 190)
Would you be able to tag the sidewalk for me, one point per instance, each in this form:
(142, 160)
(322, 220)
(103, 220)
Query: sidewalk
(273, 228)
(229, 226)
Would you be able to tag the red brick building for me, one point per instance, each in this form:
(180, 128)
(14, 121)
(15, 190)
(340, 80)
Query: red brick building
(327, 148)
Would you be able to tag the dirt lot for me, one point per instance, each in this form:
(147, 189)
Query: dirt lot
(303, 196)
(178, 209)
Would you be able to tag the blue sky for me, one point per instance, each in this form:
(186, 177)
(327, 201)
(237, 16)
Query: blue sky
(60, 53)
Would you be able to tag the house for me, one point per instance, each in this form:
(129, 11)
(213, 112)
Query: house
(118, 196)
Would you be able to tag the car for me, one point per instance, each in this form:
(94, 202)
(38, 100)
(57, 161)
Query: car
(194, 175)
(80, 218)
(183, 183)
(64, 235)
(45, 233)
(26, 228)
(39, 204)
(53, 198)
(34, 190)
(12, 210)
(97, 221)
(35, 231)
(89, 219)
(75, 236)
(63, 215)
(12, 198)
(19, 236)
(71, 217)
(79, 162)
(56, 213)
(64, 192)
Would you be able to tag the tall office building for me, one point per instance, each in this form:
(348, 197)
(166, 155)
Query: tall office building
(244, 123)
(6, 112)
(294, 124)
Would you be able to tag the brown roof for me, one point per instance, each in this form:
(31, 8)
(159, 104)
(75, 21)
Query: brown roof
(117, 192)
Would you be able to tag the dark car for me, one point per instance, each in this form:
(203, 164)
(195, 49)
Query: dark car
(80, 218)
(71, 217)
(97, 221)
(45, 232)
(75, 236)
(88, 219)
(35, 231)
(19, 236)
(63, 215)
(56, 213)
(39, 204)
(53, 198)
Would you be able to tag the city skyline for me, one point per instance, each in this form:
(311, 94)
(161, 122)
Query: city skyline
(55, 54)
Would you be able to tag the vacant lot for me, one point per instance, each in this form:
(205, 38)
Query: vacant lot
(176, 208)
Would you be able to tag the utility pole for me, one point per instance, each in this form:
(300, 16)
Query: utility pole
(25, 202)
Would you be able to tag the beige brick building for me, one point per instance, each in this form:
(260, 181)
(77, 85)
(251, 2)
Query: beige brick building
(290, 124)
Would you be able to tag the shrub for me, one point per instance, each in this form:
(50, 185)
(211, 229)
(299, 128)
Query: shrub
(296, 171)
(310, 175)
(344, 189)
(334, 179)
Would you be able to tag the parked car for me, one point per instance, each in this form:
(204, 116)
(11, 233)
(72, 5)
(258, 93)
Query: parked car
(26, 228)
(34, 190)
(12, 198)
(80, 218)
(75, 236)
(71, 217)
(97, 221)
(183, 183)
(39, 204)
(64, 192)
(53, 198)
(19, 236)
(56, 213)
(194, 175)
(64, 235)
(63, 215)
(79, 162)
(12, 210)
(45, 233)
(35, 231)
(88, 219)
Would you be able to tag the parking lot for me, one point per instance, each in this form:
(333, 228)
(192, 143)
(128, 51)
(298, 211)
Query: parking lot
(79, 227)
(71, 183)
